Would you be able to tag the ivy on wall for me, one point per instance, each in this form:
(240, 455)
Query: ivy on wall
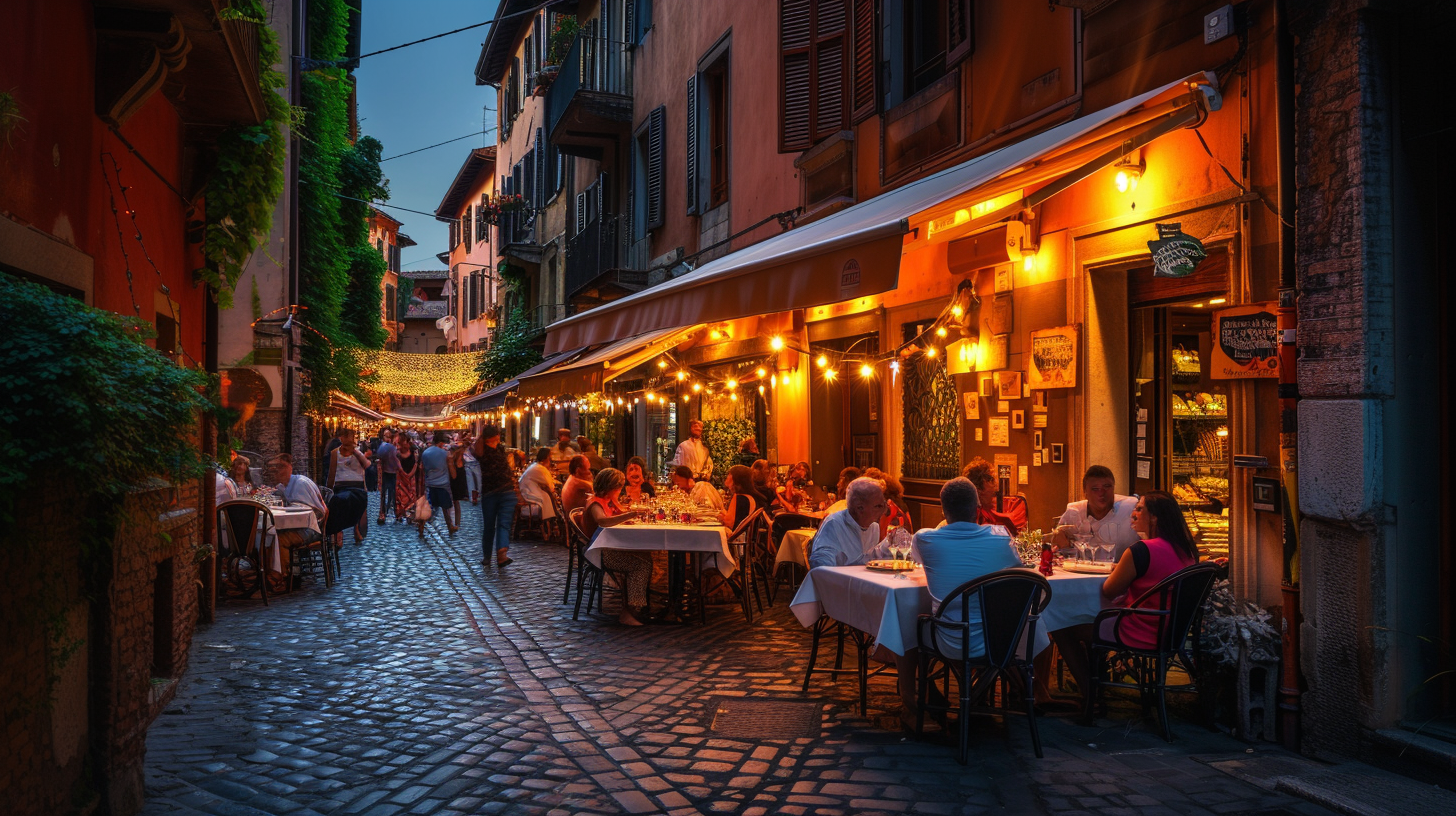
(510, 351)
(339, 283)
(249, 176)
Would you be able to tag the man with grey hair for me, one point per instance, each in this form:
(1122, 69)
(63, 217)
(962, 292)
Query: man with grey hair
(961, 551)
(851, 536)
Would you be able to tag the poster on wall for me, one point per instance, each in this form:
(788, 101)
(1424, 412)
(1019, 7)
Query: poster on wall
(1053, 358)
(1246, 343)
(998, 429)
(973, 404)
(1006, 468)
(998, 352)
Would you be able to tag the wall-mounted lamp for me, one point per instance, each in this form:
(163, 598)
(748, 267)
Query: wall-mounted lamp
(1130, 169)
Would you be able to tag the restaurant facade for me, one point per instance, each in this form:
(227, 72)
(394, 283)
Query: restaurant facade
(1047, 236)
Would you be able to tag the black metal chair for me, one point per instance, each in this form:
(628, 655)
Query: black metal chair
(345, 509)
(862, 642)
(1175, 609)
(742, 581)
(783, 523)
(1009, 603)
(321, 554)
(590, 579)
(245, 528)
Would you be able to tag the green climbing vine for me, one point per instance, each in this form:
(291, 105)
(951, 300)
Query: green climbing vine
(249, 176)
(510, 351)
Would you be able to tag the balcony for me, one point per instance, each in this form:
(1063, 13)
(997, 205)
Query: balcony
(594, 264)
(589, 106)
(542, 316)
(517, 234)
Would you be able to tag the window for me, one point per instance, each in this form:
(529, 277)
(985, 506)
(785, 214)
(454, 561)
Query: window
(389, 303)
(923, 40)
(708, 132)
(826, 65)
(639, 19)
(647, 173)
(465, 228)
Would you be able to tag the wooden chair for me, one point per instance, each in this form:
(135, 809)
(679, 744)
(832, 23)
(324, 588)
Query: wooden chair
(244, 529)
(742, 581)
(527, 520)
(1175, 608)
(1009, 603)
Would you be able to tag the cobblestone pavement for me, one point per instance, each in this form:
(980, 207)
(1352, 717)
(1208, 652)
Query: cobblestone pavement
(424, 683)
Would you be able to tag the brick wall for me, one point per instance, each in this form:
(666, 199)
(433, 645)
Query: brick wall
(79, 674)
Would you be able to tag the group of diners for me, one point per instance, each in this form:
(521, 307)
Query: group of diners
(1153, 541)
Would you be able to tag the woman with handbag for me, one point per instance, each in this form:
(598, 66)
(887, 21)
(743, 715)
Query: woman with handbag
(407, 483)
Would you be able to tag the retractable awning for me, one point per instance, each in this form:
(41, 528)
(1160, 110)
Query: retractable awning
(856, 252)
(494, 398)
(595, 369)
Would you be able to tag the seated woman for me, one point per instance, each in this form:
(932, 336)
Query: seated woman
(983, 475)
(639, 488)
(238, 484)
(795, 490)
(895, 515)
(742, 499)
(538, 486)
(765, 477)
(1167, 547)
(841, 489)
(604, 511)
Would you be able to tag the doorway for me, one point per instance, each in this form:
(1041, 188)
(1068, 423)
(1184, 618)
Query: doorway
(844, 427)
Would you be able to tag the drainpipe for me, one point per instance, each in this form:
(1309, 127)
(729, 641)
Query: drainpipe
(1289, 681)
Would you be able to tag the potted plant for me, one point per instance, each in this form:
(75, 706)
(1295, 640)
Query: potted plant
(1238, 646)
(563, 34)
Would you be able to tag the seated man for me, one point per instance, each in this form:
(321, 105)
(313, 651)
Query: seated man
(294, 488)
(538, 485)
(1103, 514)
(851, 536)
(578, 488)
(703, 494)
(961, 551)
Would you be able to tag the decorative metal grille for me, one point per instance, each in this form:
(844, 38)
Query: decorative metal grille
(932, 424)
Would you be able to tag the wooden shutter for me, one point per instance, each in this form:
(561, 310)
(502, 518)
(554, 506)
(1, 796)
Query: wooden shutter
(465, 229)
(862, 69)
(541, 169)
(454, 235)
(830, 66)
(796, 29)
(960, 31)
(692, 145)
(656, 147)
(580, 213)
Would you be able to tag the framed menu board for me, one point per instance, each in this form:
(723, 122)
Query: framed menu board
(1053, 358)
(1245, 343)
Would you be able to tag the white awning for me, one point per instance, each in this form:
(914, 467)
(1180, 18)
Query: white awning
(592, 370)
(856, 252)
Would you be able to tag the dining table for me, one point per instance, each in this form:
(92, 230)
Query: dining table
(704, 539)
(886, 606)
(298, 517)
(794, 548)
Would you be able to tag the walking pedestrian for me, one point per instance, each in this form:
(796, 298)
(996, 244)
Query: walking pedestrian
(435, 461)
(388, 456)
(497, 496)
(472, 467)
(407, 486)
(346, 472)
(459, 490)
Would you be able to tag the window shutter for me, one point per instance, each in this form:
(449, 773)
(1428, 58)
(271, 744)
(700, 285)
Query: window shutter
(465, 228)
(656, 147)
(693, 144)
(580, 213)
(541, 165)
(830, 78)
(960, 32)
(862, 70)
(454, 242)
(795, 35)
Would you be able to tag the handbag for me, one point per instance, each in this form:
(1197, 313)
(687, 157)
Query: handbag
(423, 509)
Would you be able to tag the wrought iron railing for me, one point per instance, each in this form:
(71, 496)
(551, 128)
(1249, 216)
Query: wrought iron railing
(544, 315)
(595, 63)
(591, 252)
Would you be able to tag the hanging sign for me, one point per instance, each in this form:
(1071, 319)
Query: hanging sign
(1175, 254)
(1245, 343)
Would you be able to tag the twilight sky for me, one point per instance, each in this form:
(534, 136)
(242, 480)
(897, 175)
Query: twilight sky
(421, 95)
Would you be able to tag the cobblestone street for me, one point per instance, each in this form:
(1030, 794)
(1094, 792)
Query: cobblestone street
(423, 683)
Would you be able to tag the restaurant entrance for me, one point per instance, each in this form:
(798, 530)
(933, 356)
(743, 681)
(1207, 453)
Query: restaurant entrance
(1180, 418)
(846, 413)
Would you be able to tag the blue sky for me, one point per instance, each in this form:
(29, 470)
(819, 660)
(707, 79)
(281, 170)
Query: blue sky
(421, 95)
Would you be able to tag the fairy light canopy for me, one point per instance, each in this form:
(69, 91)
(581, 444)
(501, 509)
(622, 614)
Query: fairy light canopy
(420, 375)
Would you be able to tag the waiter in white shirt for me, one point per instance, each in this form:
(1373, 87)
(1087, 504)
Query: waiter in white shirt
(693, 454)
(1104, 515)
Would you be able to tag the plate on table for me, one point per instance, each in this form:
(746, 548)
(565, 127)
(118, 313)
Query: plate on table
(708, 523)
(887, 565)
(1088, 567)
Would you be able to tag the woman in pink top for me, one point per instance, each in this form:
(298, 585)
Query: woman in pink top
(1167, 547)
(604, 511)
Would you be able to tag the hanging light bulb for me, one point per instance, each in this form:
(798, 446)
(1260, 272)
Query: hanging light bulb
(731, 384)
(930, 352)
(697, 387)
(830, 374)
(866, 370)
(682, 375)
(776, 343)
(822, 362)
(733, 397)
(662, 364)
(956, 310)
(760, 391)
(939, 331)
(760, 372)
(651, 397)
(685, 397)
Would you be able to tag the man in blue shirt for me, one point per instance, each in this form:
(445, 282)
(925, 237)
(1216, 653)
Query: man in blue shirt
(436, 462)
(961, 551)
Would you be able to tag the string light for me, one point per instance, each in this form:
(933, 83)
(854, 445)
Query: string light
(662, 364)
(682, 375)
(732, 384)
(830, 374)
(866, 371)
(930, 352)
(697, 387)
(822, 362)
(940, 331)
(776, 343)
(760, 372)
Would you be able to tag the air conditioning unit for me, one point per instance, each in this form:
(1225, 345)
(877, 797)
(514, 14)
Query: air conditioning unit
(993, 246)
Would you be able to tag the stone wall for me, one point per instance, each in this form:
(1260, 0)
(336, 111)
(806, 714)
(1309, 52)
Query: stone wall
(95, 639)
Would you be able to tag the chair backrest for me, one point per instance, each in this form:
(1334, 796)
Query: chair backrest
(574, 530)
(327, 493)
(245, 522)
(1182, 594)
(796, 521)
(748, 526)
(1007, 600)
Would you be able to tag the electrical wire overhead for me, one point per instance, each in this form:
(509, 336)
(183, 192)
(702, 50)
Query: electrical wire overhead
(438, 144)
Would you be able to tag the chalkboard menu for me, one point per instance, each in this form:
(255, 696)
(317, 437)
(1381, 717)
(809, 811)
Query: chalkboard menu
(1175, 253)
(1245, 342)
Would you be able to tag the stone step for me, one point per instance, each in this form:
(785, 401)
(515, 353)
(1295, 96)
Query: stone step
(1353, 788)
(1409, 752)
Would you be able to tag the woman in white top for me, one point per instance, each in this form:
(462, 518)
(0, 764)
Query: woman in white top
(238, 483)
(346, 472)
(538, 485)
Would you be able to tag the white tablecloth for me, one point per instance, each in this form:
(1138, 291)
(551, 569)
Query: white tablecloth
(666, 537)
(288, 518)
(887, 606)
(794, 548)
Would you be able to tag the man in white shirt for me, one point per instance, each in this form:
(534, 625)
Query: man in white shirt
(703, 494)
(851, 536)
(1104, 515)
(562, 452)
(294, 488)
(693, 454)
(538, 485)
